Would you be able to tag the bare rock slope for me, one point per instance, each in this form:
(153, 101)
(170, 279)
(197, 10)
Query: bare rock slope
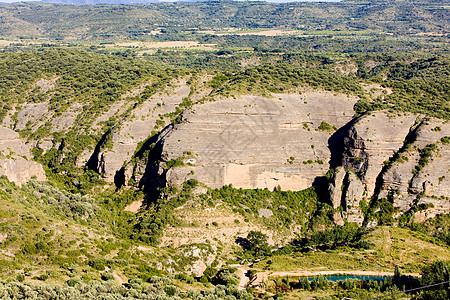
(254, 142)
(15, 158)
(291, 140)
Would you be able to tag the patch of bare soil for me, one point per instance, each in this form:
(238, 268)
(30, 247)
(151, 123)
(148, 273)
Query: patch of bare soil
(217, 223)
(134, 207)
(242, 273)
(376, 90)
(5, 42)
(118, 278)
(46, 84)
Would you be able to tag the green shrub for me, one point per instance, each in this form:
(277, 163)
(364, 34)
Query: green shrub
(324, 126)
(74, 281)
(20, 277)
(170, 290)
(107, 276)
(97, 264)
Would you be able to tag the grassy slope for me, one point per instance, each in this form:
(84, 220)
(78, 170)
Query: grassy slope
(43, 233)
(394, 246)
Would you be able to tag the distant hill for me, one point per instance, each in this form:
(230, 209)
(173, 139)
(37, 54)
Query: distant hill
(57, 21)
(93, 2)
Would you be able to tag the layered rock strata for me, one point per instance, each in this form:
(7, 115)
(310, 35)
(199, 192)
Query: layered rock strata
(382, 159)
(254, 142)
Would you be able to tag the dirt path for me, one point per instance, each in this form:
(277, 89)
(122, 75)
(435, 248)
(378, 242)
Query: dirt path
(260, 278)
(242, 273)
(118, 279)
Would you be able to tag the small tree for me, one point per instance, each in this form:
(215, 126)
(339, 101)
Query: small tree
(437, 272)
(258, 244)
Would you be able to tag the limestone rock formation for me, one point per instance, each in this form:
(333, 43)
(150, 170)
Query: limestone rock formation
(385, 156)
(254, 142)
(129, 132)
(15, 157)
(408, 184)
(354, 194)
(373, 140)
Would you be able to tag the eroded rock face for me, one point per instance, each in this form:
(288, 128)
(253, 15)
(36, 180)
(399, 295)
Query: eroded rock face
(381, 159)
(255, 142)
(336, 187)
(130, 132)
(346, 191)
(354, 194)
(373, 140)
(406, 183)
(14, 158)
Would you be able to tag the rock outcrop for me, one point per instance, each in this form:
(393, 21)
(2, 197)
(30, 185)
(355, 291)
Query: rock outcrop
(420, 178)
(130, 132)
(286, 140)
(384, 157)
(15, 158)
(255, 142)
(146, 119)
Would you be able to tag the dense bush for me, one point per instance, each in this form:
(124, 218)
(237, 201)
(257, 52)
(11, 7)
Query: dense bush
(437, 272)
(158, 289)
(287, 206)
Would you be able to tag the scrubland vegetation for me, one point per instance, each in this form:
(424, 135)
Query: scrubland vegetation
(71, 237)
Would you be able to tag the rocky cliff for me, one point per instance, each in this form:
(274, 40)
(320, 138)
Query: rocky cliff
(15, 158)
(286, 141)
(290, 141)
(254, 142)
(403, 158)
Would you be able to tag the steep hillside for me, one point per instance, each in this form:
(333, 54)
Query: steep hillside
(401, 158)
(139, 123)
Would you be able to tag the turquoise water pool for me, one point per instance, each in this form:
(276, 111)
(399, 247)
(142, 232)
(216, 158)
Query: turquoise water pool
(335, 278)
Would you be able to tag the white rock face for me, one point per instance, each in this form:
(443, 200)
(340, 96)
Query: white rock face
(14, 158)
(335, 187)
(372, 141)
(256, 142)
(354, 195)
(429, 185)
